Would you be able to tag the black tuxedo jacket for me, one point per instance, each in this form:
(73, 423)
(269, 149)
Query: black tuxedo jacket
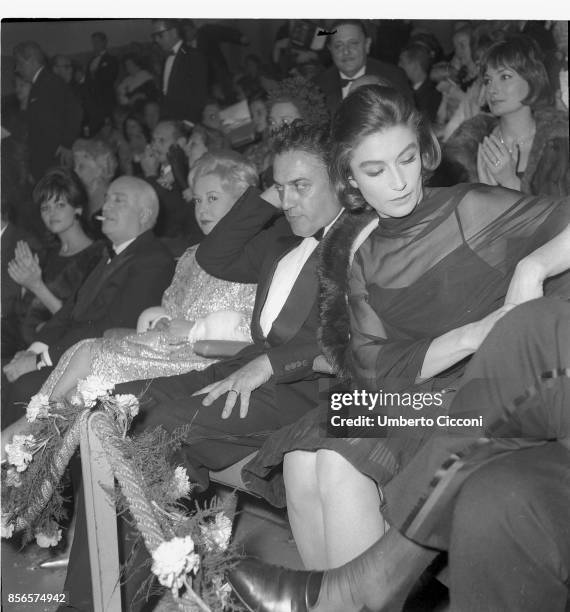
(329, 81)
(187, 89)
(113, 295)
(101, 82)
(246, 246)
(54, 119)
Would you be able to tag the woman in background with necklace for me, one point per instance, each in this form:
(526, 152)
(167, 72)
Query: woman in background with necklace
(523, 143)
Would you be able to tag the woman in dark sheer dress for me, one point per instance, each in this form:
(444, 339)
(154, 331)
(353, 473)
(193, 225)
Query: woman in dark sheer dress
(413, 282)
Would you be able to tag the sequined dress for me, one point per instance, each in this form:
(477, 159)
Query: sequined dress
(193, 294)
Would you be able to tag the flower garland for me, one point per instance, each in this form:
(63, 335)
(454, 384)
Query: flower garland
(190, 550)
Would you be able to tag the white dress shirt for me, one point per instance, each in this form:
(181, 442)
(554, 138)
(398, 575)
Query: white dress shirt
(286, 274)
(347, 87)
(168, 66)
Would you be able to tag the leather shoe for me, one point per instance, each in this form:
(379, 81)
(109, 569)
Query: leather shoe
(269, 588)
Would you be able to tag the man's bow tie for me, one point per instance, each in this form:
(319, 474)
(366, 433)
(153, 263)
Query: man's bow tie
(345, 82)
(318, 235)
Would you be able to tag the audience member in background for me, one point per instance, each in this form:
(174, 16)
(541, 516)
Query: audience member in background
(184, 80)
(95, 164)
(165, 167)
(101, 73)
(560, 32)
(53, 114)
(349, 48)
(15, 141)
(151, 115)
(138, 86)
(456, 76)
(137, 138)
(212, 123)
(196, 306)
(62, 67)
(128, 279)
(523, 143)
(251, 81)
(257, 105)
(62, 201)
(472, 101)
(291, 99)
(415, 61)
(207, 39)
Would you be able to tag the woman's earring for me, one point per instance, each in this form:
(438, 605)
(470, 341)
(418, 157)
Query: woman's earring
(352, 182)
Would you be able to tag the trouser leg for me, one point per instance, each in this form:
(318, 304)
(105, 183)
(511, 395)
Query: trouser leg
(510, 536)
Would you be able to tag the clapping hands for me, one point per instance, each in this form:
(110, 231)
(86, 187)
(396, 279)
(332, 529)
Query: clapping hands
(495, 164)
(25, 269)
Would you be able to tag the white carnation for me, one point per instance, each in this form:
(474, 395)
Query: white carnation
(13, 478)
(45, 541)
(38, 407)
(180, 483)
(172, 560)
(7, 528)
(18, 451)
(218, 533)
(127, 403)
(92, 388)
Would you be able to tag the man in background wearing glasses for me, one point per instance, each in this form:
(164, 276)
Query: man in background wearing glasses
(184, 80)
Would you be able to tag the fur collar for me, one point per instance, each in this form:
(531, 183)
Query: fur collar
(337, 253)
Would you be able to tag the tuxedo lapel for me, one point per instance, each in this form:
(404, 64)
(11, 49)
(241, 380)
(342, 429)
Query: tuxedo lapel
(101, 274)
(298, 304)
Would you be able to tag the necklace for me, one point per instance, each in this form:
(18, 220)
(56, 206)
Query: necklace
(519, 141)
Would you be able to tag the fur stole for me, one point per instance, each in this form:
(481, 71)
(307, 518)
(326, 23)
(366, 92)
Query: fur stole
(337, 252)
(547, 168)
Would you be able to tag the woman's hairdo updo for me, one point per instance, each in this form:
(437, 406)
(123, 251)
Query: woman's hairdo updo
(368, 110)
(236, 174)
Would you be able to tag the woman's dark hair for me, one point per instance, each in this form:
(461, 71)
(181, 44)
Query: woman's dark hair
(62, 183)
(368, 110)
(57, 183)
(521, 54)
(303, 94)
(143, 127)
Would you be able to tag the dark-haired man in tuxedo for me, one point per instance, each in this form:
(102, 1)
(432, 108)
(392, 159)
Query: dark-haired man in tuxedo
(349, 47)
(100, 75)
(233, 404)
(184, 75)
(132, 277)
(53, 114)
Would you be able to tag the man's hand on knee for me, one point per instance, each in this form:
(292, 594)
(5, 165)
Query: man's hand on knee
(239, 384)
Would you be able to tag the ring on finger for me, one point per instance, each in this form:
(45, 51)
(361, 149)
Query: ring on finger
(233, 391)
(497, 162)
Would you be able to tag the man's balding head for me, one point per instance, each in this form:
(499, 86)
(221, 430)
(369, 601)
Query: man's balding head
(130, 209)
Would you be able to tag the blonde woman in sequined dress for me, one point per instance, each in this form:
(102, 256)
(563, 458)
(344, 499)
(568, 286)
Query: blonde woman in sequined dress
(196, 306)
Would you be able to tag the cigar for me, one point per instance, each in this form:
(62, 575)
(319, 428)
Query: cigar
(100, 217)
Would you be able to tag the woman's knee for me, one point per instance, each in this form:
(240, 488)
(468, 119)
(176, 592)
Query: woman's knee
(336, 475)
(300, 478)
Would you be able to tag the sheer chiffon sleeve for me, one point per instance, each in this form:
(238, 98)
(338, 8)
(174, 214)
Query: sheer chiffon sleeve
(446, 265)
